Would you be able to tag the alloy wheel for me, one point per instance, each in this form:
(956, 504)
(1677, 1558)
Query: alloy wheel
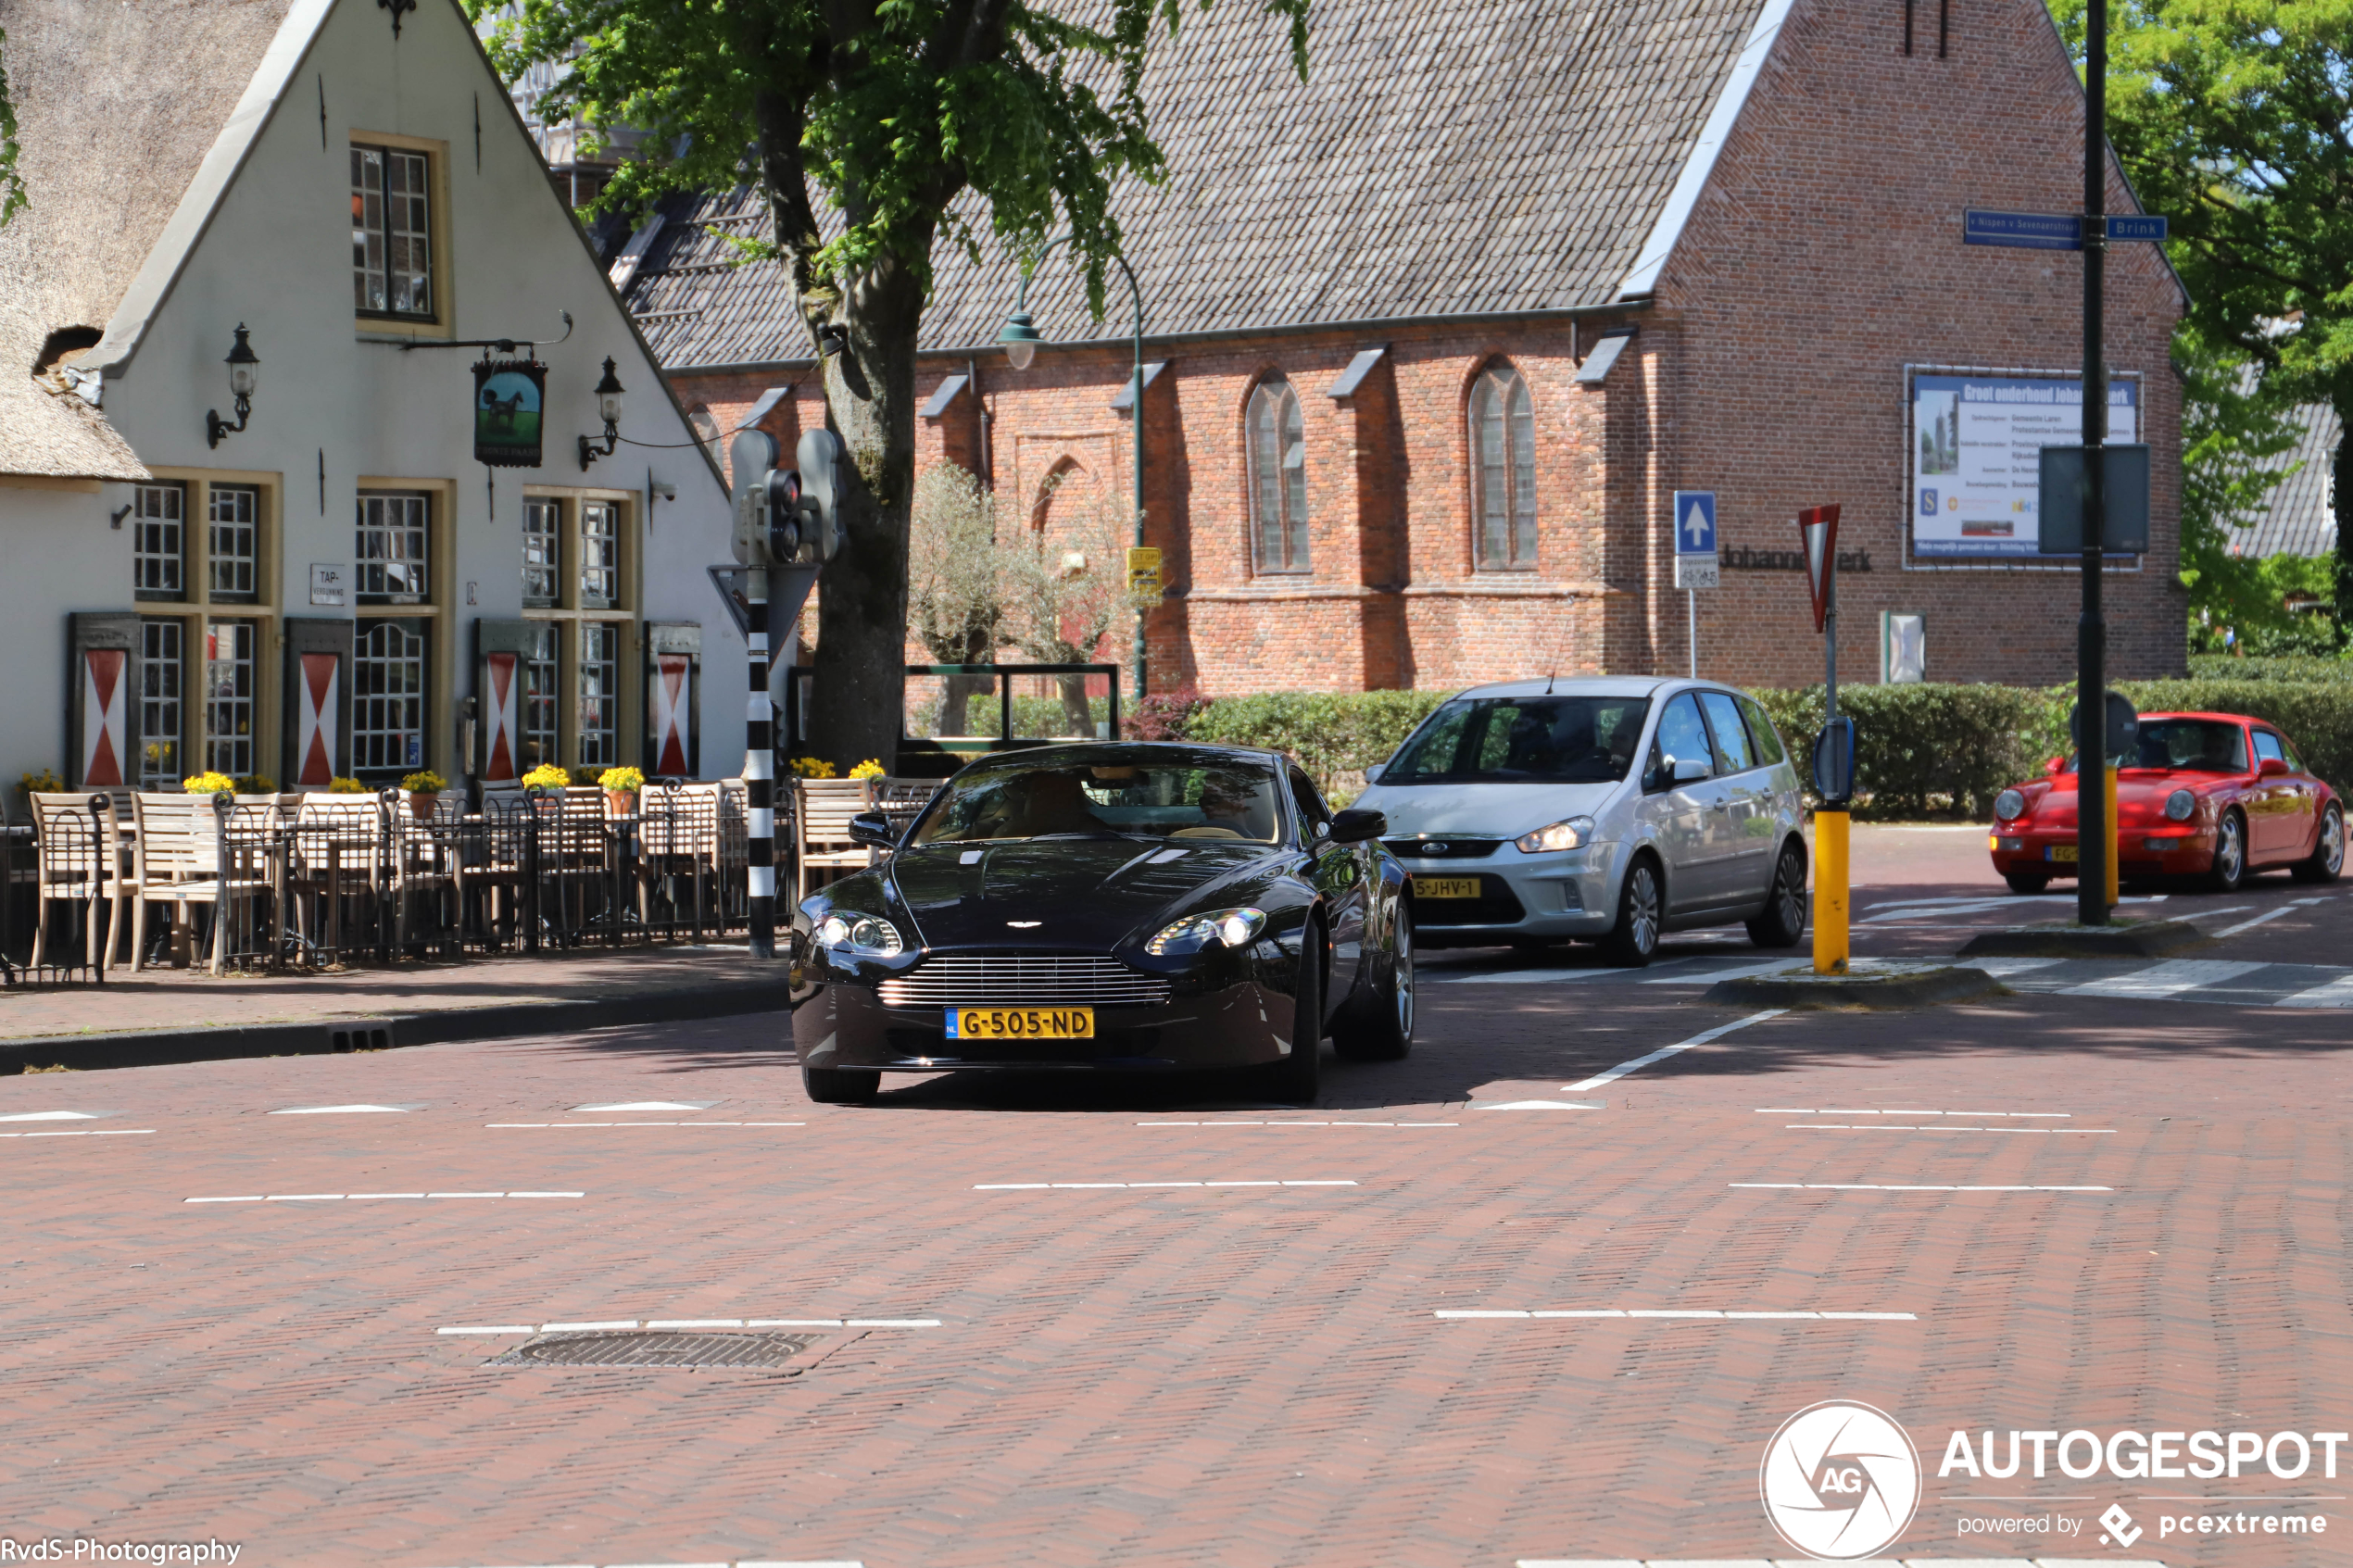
(2332, 842)
(2230, 850)
(1641, 908)
(1791, 885)
(1403, 982)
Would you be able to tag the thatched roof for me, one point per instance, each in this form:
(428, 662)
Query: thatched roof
(119, 105)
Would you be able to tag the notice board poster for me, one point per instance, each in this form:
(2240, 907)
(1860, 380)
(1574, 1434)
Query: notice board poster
(1976, 463)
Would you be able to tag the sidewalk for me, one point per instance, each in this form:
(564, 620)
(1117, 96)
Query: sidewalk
(186, 1015)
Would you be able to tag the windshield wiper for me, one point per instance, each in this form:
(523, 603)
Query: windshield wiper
(1094, 833)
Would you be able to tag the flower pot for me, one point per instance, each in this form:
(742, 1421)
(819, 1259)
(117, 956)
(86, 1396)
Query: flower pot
(621, 802)
(423, 804)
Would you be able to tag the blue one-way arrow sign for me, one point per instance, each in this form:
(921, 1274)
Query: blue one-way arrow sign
(2053, 230)
(1694, 522)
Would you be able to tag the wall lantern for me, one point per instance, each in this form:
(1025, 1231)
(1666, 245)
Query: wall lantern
(1021, 337)
(608, 392)
(245, 374)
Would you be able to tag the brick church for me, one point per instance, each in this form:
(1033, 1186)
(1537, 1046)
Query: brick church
(1435, 336)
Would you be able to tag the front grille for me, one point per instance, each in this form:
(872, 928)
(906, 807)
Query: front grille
(1443, 847)
(1022, 980)
(1118, 1045)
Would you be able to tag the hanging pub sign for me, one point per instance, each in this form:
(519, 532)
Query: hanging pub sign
(507, 397)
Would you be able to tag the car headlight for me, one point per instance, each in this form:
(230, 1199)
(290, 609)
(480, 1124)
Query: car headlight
(1233, 928)
(1573, 834)
(2009, 806)
(2180, 805)
(870, 933)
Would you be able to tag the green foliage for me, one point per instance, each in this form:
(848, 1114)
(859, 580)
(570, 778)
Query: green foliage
(2221, 667)
(2316, 716)
(1924, 747)
(2235, 429)
(424, 782)
(1330, 733)
(885, 112)
(12, 194)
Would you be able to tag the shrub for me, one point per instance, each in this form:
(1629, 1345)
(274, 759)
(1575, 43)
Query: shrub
(1166, 715)
(2316, 715)
(2221, 666)
(547, 775)
(621, 780)
(1334, 736)
(424, 782)
(208, 783)
(1924, 747)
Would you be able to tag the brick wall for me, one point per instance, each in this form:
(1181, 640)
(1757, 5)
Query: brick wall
(1823, 257)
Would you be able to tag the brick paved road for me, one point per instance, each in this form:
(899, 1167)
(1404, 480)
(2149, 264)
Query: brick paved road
(1238, 1375)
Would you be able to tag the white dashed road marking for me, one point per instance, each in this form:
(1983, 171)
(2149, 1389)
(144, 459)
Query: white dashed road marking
(57, 1116)
(651, 1105)
(1623, 1068)
(86, 1133)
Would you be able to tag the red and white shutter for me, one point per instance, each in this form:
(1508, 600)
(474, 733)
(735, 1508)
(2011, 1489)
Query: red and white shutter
(673, 656)
(500, 649)
(318, 737)
(103, 721)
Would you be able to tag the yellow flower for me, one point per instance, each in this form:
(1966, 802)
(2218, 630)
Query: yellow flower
(621, 779)
(871, 768)
(208, 783)
(547, 775)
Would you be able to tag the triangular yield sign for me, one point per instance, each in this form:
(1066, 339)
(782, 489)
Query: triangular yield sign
(1818, 527)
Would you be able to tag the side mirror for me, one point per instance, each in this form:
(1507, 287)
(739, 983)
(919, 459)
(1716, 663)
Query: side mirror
(2055, 765)
(1689, 770)
(2270, 768)
(872, 830)
(1355, 825)
(1372, 772)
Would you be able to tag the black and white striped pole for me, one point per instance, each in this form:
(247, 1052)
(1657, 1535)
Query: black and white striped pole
(759, 771)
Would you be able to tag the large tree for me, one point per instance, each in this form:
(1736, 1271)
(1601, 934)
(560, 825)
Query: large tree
(2234, 117)
(11, 182)
(874, 128)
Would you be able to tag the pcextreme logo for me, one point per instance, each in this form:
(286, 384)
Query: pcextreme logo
(1839, 1480)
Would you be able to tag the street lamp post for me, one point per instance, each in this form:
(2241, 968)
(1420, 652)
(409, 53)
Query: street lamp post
(1022, 340)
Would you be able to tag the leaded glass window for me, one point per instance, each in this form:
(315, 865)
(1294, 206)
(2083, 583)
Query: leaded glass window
(234, 511)
(161, 643)
(391, 233)
(159, 541)
(1502, 431)
(388, 695)
(1277, 448)
(393, 547)
(228, 693)
(541, 551)
(600, 694)
(539, 699)
(599, 553)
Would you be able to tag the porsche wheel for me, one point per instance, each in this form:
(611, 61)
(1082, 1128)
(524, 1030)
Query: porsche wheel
(1782, 923)
(840, 1086)
(2327, 860)
(1298, 1078)
(2026, 882)
(1634, 938)
(1378, 1026)
(2230, 854)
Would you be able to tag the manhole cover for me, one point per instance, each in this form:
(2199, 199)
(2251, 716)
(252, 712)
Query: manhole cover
(657, 1349)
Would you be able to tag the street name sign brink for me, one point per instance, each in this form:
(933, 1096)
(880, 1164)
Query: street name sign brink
(2053, 230)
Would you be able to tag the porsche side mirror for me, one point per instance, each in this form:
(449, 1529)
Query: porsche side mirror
(872, 830)
(1355, 825)
(1689, 770)
(2054, 764)
(2270, 768)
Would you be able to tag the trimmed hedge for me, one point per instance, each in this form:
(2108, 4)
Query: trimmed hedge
(1924, 749)
(2222, 667)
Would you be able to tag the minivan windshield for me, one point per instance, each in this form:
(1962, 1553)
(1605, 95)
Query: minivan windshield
(1523, 740)
(1112, 792)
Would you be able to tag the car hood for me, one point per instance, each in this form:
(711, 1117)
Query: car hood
(1494, 810)
(1080, 893)
(2140, 799)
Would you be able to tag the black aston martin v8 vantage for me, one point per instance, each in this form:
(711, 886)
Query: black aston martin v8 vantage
(1128, 906)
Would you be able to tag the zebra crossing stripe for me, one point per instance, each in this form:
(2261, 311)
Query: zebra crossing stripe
(2337, 993)
(2168, 979)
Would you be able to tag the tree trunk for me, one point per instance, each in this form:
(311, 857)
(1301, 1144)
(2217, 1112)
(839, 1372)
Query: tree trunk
(2340, 490)
(861, 683)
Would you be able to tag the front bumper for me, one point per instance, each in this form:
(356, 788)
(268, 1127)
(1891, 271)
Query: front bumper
(1567, 893)
(2174, 850)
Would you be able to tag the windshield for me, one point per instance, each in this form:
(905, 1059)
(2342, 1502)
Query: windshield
(1523, 740)
(1109, 794)
(2206, 744)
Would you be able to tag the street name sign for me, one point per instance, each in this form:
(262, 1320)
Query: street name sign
(2053, 230)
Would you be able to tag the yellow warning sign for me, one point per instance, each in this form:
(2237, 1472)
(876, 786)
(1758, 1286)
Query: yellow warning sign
(1143, 574)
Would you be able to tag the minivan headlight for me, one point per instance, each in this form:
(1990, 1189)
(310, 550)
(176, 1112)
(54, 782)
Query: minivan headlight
(2179, 804)
(870, 933)
(1231, 928)
(2009, 806)
(1575, 833)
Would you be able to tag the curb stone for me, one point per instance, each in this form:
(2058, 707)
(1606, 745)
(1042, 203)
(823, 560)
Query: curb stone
(2126, 939)
(330, 1036)
(1860, 992)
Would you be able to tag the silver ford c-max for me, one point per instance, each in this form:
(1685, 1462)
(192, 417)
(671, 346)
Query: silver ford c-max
(1606, 808)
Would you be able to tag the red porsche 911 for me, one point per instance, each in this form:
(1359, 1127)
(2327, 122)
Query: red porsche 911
(2214, 795)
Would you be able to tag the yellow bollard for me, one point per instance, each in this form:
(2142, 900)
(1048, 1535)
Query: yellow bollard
(2113, 840)
(1830, 892)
